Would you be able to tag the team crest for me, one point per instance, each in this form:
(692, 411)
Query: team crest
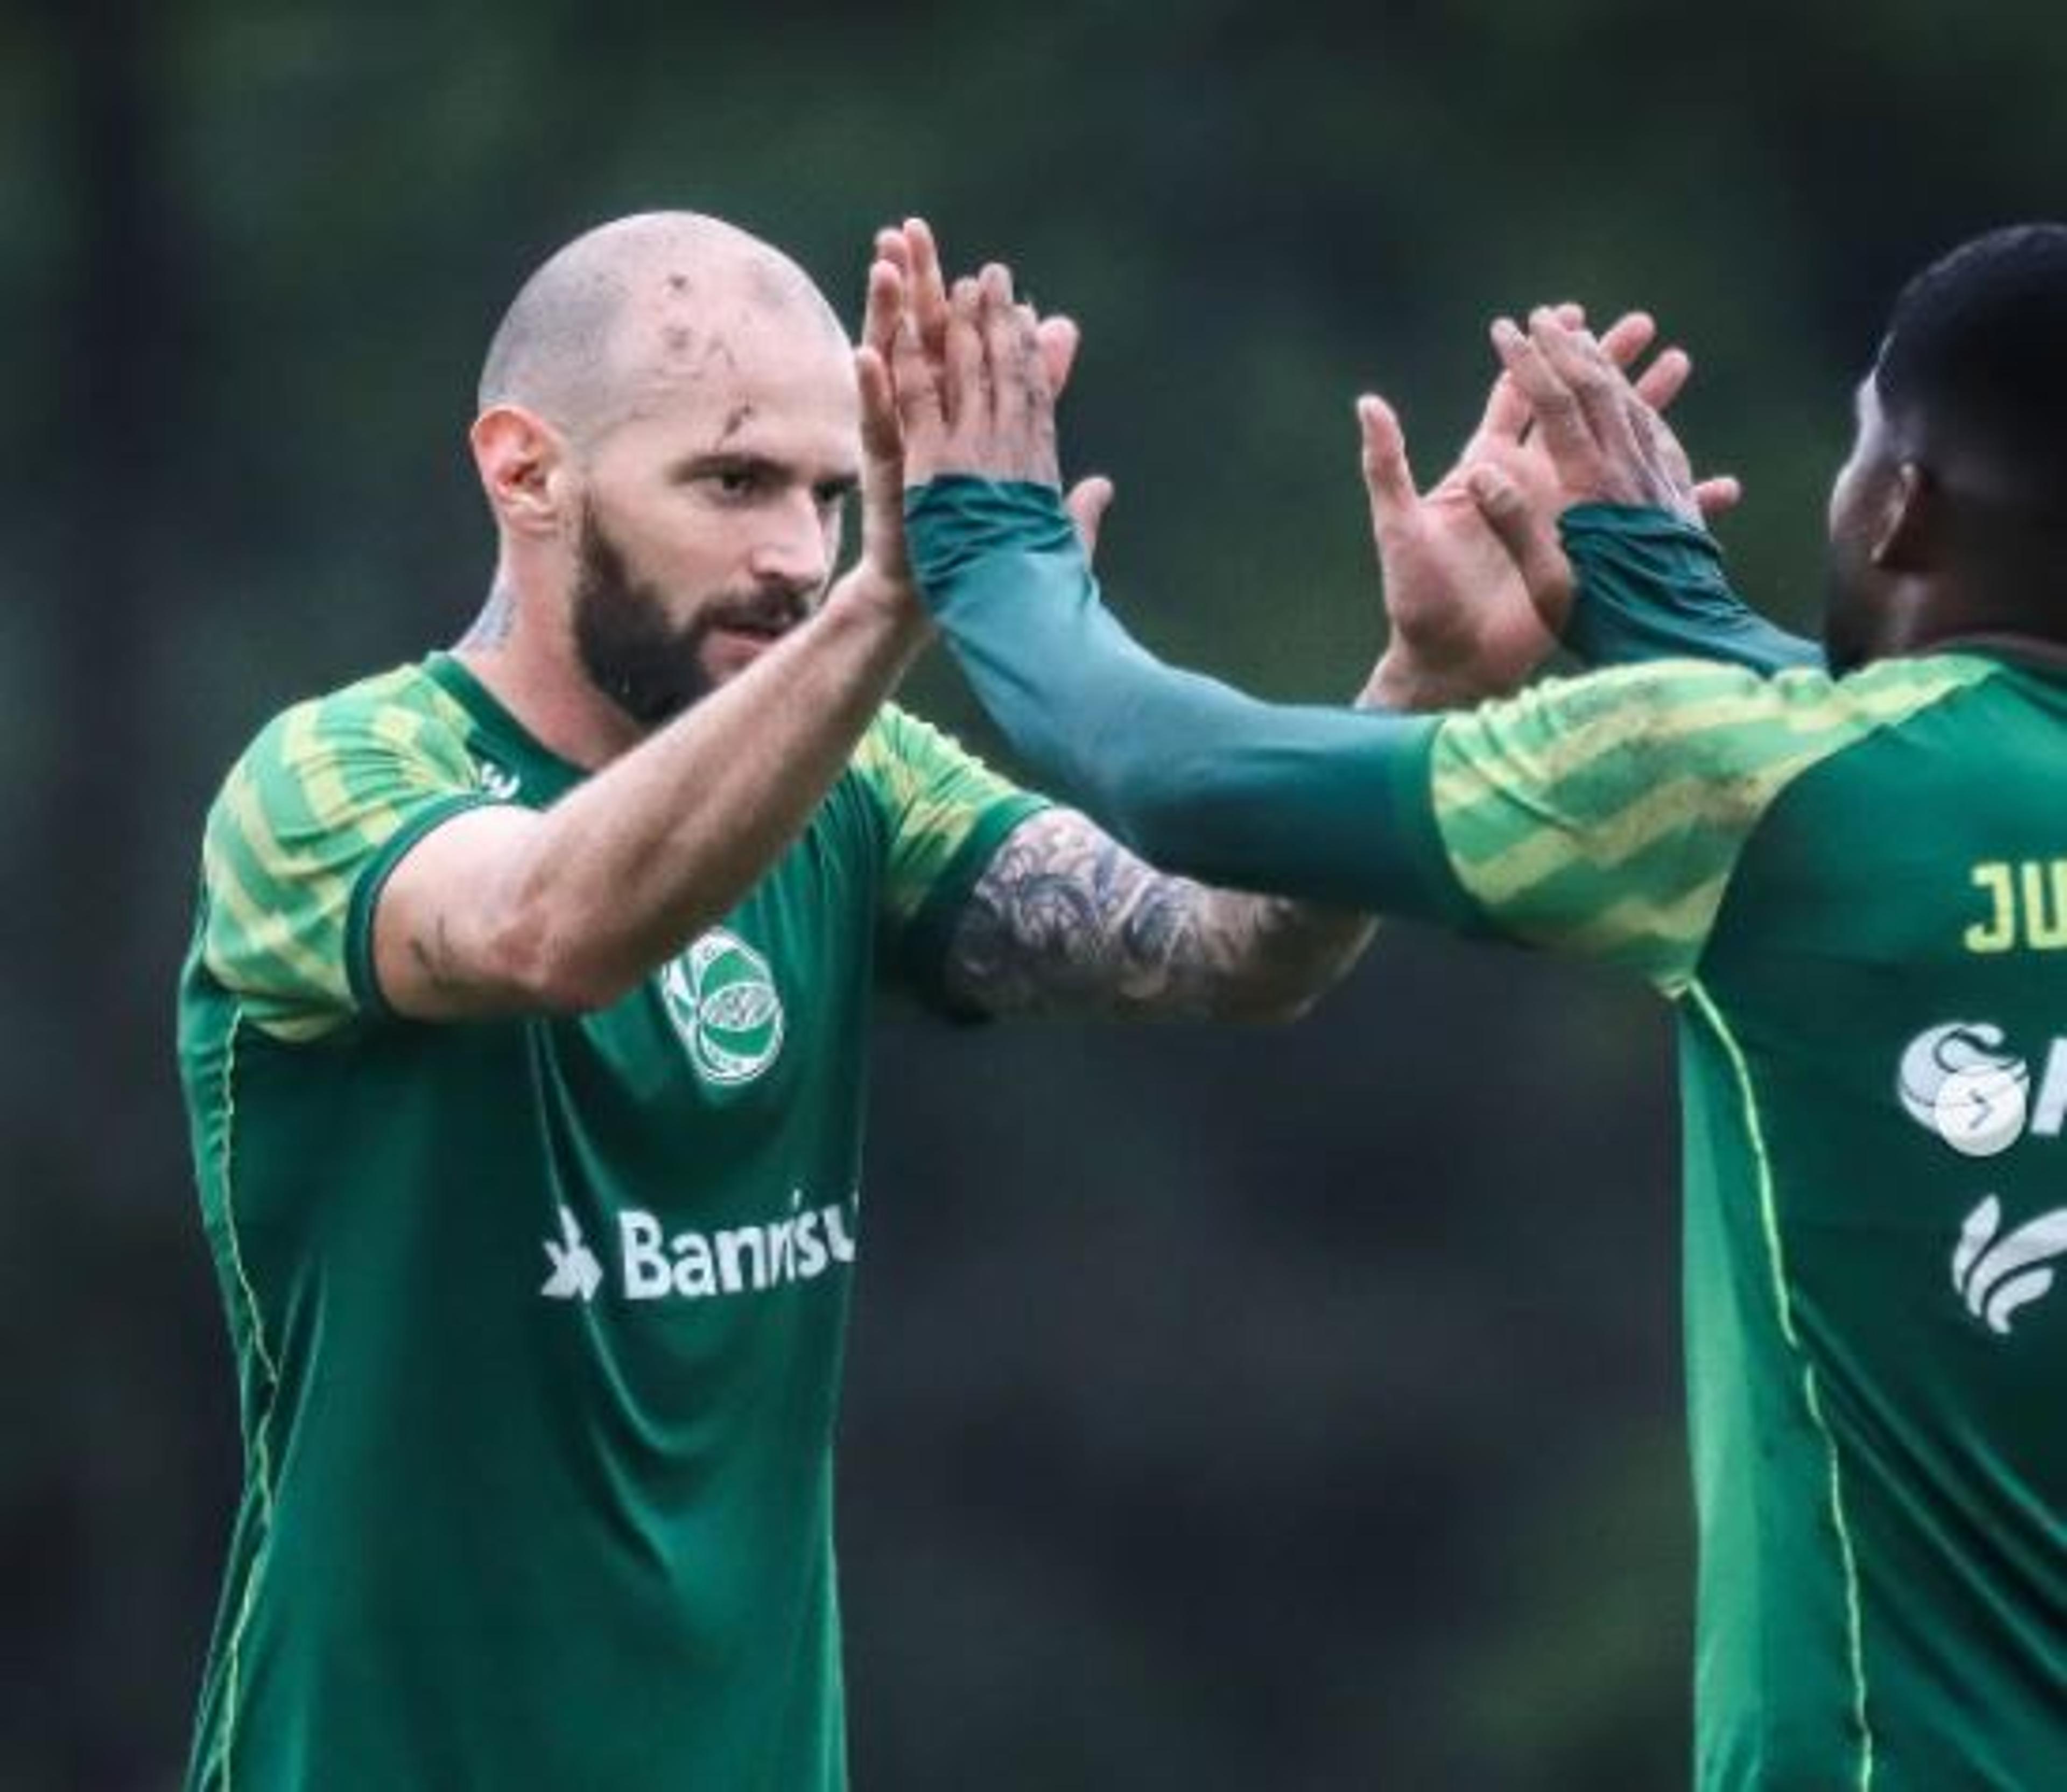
(722, 997)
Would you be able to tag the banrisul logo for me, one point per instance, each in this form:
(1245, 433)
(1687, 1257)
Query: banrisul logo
(1958, 1080)
(722, 997)
(651, 1263)
(576, 1274)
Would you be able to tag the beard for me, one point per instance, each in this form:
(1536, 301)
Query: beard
(650, 666)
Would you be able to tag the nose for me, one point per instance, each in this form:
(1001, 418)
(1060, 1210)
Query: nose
(794, 547)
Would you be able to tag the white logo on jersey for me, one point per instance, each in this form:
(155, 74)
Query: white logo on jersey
(1996, 1275)
(802, 1245)
(495, 780)
(1956, 1080)
(721, 996)
(576, 1272)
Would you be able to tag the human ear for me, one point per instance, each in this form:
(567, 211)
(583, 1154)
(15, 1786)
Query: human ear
(522, 463)
(1905, 532)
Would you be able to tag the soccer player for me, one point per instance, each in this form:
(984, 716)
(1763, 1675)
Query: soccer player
(522, 1042)
(1851, 882)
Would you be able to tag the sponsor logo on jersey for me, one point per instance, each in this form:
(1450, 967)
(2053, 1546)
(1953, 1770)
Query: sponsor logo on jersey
(1997, 1272)
(576, 1274)
(652, 1264)
(722, 997)
(1956, 1080)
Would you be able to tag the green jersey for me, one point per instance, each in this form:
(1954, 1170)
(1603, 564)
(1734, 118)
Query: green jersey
(537, 1322)
(1856, 891)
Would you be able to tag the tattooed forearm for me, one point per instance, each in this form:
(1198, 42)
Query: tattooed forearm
(1066, 919)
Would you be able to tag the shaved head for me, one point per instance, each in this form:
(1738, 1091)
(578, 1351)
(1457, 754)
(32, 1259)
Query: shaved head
(636, 307)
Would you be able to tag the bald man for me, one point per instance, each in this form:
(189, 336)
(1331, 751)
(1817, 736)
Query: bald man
(521, 1039)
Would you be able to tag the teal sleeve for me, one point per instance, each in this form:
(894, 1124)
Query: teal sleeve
(1328, 805)
(1652, 586)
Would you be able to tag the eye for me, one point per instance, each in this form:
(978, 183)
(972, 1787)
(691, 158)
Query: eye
(832, 494)
(735, 481)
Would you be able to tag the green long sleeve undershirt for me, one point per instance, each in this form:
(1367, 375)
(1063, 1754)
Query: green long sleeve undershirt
(1653, 587)
(1330, 805)
(1327, 804)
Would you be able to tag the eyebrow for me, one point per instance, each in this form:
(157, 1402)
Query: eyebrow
(760, 466)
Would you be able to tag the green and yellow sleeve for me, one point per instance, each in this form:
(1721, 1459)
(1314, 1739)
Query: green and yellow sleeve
(1601, 817)
(944, 813)
(311, 819)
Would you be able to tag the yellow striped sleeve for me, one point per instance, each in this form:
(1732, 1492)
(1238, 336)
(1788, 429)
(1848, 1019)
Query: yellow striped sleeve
(303, 815)
(1603, 816)
(941, 805)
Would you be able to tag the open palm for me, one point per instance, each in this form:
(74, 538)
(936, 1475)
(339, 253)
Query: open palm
(1476, 585)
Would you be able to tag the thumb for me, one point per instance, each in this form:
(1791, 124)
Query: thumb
(1530, 539)
(1387, 479)
(882, 464)
(1087, 503)
(1717, 495)
(1059, 338)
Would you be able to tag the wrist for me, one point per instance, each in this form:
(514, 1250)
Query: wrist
(1398, 683)
(879, 607)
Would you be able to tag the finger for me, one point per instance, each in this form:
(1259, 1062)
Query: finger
(1715, 497)
(929, 294)
(1628, 336)
(890, 247)
(1595, 383)
(1388, 479)
(1060, 339)
(882, 460)
(915, 379)
(1087, 503)
(1530, 538)
(1562, 426)
(964, 392)
(1010, 352)
(1506, 416)
(884, 306)
(1663, 380)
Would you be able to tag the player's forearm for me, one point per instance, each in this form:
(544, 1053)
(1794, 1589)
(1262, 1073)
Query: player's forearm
(1277, 956)
(1066, 921)
(1326, 805)
(639, 858)
(1650, 586)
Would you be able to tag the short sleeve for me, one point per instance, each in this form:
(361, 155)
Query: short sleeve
(309, 821)
(944, 813)
(1603, 817)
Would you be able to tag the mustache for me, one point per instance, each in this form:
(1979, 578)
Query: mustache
(767, 611)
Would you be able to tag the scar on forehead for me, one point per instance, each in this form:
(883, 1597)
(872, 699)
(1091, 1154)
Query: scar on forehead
(735, 420)
(678, 282)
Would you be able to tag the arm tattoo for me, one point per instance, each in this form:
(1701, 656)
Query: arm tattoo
(1065, 919)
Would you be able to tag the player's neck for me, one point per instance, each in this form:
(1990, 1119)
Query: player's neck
(512, 650)
(2044, 651)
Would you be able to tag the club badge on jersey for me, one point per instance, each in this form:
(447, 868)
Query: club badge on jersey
(721, 996)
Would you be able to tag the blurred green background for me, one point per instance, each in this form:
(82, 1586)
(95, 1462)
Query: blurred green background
(1287, 1409)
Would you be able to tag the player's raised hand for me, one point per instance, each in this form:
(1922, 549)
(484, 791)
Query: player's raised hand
(1604, 440)
(882, 570)
(1467, 619)
(1476, 585)
(934, 359)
